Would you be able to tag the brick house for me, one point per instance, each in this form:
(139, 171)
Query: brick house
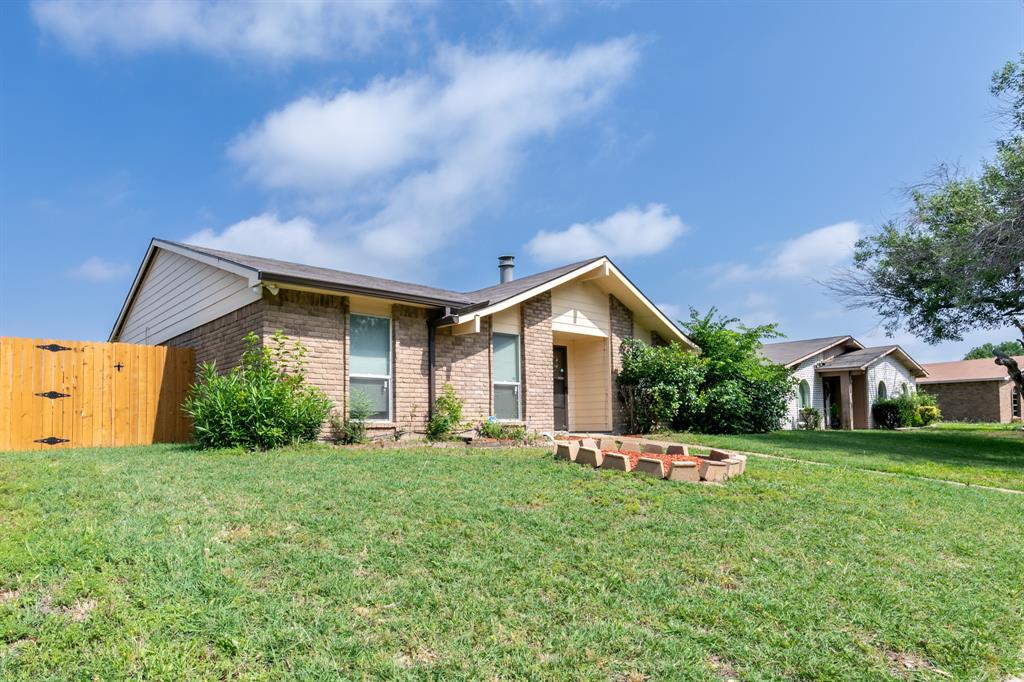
(541, 350)
(840, 371)
(974, 390)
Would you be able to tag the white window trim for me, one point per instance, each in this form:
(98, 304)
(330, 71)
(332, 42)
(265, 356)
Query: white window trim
(517, 384)
(800, 394)
(391, 367)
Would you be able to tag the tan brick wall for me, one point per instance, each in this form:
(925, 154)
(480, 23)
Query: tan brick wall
(411, 368)
(465, 362)
(538, 364)
(621, 328)
(317, 321)
(220, 340)
(977, 401)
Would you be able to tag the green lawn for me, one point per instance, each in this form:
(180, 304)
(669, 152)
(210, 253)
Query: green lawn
(978, 454)
(169, 563)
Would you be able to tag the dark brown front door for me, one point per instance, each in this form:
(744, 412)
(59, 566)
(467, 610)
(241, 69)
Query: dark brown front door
(561, 363)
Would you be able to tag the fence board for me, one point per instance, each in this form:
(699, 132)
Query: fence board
(136, 404)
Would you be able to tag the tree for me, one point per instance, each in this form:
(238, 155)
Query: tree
(955, 261)
(727, 388)
(988, 350)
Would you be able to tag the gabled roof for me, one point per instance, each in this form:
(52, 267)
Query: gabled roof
(861, 359)
(984, 369)
(270, 269)
(506, 290)
(789, 353)
(481, 302)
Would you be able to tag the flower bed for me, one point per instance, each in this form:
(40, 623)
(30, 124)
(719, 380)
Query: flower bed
(666, 460)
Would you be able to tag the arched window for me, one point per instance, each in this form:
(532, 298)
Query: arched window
(805, 394)
(882, 393)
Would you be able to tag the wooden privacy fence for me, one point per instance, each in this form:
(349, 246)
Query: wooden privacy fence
(77, 394)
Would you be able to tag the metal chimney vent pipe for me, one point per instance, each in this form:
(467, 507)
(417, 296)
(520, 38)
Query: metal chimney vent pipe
(506, 264)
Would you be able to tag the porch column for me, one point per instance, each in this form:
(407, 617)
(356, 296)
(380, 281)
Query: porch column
(846, 401)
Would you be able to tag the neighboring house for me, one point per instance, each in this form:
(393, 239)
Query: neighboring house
(974, 390)
(542, 350)
(839, 370)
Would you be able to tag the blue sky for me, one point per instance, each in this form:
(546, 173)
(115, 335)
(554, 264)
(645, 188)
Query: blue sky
(721, 154)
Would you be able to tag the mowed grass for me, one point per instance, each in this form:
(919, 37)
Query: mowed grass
(976, 454)
(169, 563)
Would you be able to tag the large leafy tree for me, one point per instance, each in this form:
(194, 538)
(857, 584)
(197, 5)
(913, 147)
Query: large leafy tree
(989, 350)
(955, 261)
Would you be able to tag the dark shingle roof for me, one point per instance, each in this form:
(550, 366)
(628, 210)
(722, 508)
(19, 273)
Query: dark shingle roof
(858, 358)
(501, 292)
(789, 352)
(272, 269)
(297, 273)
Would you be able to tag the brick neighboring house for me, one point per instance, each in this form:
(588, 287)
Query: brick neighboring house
(840, 371)
(974, 390)
(542, 350)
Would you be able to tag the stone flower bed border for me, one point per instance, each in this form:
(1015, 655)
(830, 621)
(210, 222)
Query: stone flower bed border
(659, 459)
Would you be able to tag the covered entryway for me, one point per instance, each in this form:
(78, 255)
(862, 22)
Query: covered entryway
(581, 382)
(848, 391)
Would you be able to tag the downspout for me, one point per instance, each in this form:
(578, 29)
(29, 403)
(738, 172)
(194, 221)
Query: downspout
(432, 359)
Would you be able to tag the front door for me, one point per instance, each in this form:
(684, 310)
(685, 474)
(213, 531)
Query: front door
(561, 378)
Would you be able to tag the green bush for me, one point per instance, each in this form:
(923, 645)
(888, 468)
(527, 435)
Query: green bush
(492, 428)
(263, 403)
(352, 430)
(916, 409)
(810, 419)
(727, 388)
(447, 416)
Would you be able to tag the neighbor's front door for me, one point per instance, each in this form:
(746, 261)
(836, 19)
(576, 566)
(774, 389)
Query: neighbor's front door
(561, 378)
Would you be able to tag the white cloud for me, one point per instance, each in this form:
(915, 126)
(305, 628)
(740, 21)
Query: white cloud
(291, 240)
(673, 311)
(98, 270)
(410, 161)
(278, 31)
(813, 254)
(630, 232)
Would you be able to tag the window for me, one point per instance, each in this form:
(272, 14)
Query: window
(882, 392)
(805, 394)
(370, 362)
(1016, 407)
(505, 349)
(905, 389)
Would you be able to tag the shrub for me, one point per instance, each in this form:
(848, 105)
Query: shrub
(887, 414)
(656, 382)
(492, 428)
(916, 409)
(727, 388)
(447, 416)
(810, 418)
(263, 403)
(352, 430)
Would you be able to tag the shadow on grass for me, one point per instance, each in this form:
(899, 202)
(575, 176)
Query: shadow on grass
(955, 448)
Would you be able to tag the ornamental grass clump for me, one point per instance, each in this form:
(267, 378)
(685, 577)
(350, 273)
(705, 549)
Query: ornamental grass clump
(263, 403)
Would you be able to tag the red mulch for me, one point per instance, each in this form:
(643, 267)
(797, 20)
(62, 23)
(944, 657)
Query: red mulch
(666, 460)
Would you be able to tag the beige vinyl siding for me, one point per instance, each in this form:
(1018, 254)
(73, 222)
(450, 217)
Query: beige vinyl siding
(178, 294)
(641, 332)
(580, 308)
(506, 321)
(589, 385)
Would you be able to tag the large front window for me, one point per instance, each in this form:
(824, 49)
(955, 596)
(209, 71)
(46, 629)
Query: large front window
(506, 376)
(370, 364)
